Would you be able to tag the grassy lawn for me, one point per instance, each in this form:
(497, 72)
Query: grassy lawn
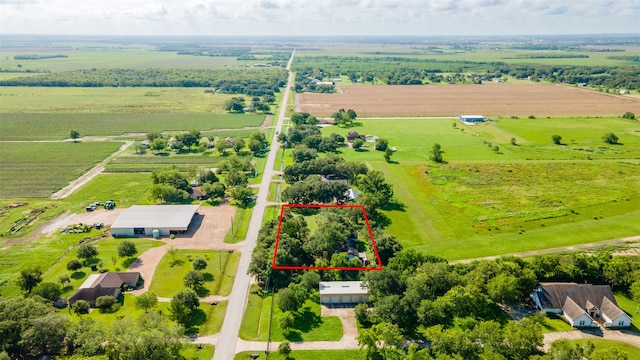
(125, 189)
(271, 213)
(487, 203)
(40, 169)
(632, 308)
(603, 347)
(207, 319)
(192, 352)
(238, 231)
(306, 355)
(107, 256)
(168, 278)
(310, 326)
(554, 323)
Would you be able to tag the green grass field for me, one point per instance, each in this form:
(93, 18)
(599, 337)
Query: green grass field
(603, 347)
(221, 266)
(56, 125)
(528, 196)
(240, 226)
(207, 319)
(191, 351)
(306, 355)
(40, 169)
(310, 326)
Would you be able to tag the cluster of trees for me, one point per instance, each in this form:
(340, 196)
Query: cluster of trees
(253, 82)
(170, 185)
(458, 304)
(39, 56)
(314, 190)
(310, 136)
(300, 118)
(395, 70)
(342, 117)
(238, 104)
(30, 329)
(332, 165)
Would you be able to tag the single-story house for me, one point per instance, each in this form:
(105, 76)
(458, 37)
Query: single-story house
(343, 292)
(582, 305)
(144, 219)
(197, 193)
(352, 135)
(105, 284)
(333, 179)
(471, 118)
(352, 194)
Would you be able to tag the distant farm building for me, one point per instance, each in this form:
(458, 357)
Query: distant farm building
(471, 119)
(352, 135)
(153, 220)
(105, 284)
(343, 292)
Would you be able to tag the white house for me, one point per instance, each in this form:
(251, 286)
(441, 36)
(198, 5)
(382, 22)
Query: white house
(343, 292)
(582, 305)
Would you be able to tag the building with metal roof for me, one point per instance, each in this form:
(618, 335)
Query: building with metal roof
(343, 292)
(153, 220)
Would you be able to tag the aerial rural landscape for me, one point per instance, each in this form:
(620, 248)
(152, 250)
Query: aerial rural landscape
(319, 197)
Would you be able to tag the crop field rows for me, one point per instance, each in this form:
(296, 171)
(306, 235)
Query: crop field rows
(452, 100)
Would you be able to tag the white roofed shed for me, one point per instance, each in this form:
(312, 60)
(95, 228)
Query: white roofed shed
(343, 292)
(142, 220)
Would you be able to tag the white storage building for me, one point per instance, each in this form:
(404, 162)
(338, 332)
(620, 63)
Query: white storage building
(343, 292)
(141, 220)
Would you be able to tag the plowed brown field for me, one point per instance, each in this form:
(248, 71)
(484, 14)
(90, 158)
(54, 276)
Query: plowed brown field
(453, 100)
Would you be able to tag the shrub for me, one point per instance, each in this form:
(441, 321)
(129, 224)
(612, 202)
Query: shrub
(74, 265)
(557, 139)
(105, 302)
(382, 144)
(610, 138)
(80, 307)
(629, 115)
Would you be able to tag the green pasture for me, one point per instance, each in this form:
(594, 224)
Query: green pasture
(219, 274)
(528, 196)
(310, 326)
(305, 355)
(56, 125)
(91, 100)
(107, 257)
(150, 162)
(42, 253)
(128, 56)
(38, 169)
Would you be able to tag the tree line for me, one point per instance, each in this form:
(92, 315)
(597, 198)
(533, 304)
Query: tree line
(253, 82)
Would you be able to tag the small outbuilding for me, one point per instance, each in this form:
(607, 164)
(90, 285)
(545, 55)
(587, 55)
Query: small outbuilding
(141, 220)
(470, 119)
(343, 292)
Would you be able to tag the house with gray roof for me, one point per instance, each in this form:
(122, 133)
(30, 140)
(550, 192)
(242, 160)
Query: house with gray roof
(582, 305)
(105, 284)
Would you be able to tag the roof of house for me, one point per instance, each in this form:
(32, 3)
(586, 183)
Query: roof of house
(156, 216)
(352, 134)
(108, 283)
(553, 295)
(575, 298)
(196, 192)
(342, 288)
(331, 179)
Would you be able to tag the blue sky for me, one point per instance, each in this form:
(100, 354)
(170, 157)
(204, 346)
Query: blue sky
(319, 17)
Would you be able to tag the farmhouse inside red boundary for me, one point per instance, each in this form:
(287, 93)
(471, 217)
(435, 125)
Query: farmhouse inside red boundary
(318, 206)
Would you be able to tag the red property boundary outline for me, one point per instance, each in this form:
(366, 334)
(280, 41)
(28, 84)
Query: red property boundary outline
(319, 206)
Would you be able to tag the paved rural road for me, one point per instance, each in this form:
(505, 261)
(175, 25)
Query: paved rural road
(228, 337)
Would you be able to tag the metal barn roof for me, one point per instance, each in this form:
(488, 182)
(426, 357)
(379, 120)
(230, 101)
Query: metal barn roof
(156, 216)
(342, 287)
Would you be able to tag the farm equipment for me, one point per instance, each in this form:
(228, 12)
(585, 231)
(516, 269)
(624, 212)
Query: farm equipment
(110, 205)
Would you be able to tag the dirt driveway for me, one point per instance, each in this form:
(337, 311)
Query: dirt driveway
(106, 217)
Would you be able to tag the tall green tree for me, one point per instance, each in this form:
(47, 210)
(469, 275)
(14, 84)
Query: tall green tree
(74, 135)
(127, 248)
(435, 154)
(29, 278)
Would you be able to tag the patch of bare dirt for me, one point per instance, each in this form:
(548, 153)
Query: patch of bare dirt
(453, 100)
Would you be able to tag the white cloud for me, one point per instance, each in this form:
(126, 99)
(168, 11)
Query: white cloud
(319, 17)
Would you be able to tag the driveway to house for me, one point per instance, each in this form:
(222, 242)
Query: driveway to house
(228, 336)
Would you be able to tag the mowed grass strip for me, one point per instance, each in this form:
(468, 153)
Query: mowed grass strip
(355, 354)
(39, 169)
(56, 125)
(604, 347)
(219, 274)
(309, 325)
